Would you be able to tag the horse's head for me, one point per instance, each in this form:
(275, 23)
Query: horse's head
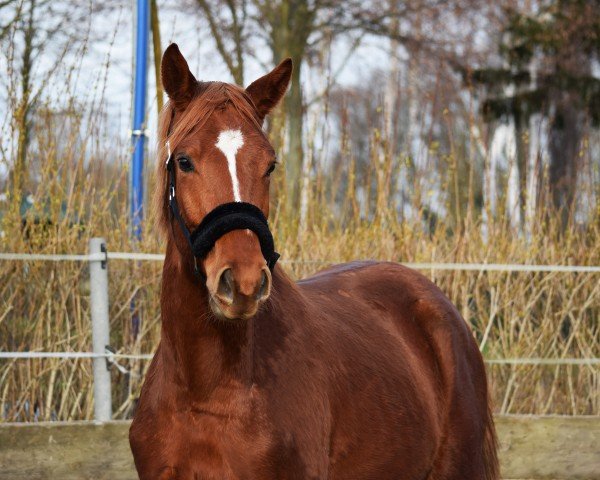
(219, 155)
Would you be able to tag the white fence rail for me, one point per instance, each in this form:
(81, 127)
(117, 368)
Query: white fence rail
(103, 357)
(158, 257)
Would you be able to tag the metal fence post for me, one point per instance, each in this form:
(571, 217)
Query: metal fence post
(100, 329)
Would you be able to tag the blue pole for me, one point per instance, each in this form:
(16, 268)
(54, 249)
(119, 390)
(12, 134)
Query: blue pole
(138, 137)
(139, 113)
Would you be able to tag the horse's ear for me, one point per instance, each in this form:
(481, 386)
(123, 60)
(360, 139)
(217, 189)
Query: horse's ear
(177, 80)
(267, 91)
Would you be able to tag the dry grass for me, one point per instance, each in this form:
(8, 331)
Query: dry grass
(351, 213)
(45, 306)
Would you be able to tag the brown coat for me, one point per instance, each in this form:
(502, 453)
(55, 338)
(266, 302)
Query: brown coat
(364, 371)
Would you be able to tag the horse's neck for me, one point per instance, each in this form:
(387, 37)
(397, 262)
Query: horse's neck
(201, 353)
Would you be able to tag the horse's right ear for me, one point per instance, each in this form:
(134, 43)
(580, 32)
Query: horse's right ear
(177, 80)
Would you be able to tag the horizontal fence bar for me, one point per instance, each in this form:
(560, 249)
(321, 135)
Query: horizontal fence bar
(152, 257)
(157, 257)
(542, 361)
(500, 267)
(77, 355)
(147, 356)
(45, 257)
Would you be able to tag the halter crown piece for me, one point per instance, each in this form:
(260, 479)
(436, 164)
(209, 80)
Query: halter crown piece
(221, 220)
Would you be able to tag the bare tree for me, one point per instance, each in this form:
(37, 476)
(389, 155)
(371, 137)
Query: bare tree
(296, 29)
(228, 21)
(36, 29)
(546, 71)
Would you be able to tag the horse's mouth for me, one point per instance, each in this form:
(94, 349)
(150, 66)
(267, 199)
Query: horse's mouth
(230, 312)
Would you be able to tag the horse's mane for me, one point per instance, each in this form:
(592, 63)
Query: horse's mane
(209, 97)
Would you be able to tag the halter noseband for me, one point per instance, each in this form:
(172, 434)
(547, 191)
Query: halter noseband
(221, 220)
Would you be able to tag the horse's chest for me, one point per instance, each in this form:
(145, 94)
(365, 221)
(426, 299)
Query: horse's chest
(205, 446)
(208, 445)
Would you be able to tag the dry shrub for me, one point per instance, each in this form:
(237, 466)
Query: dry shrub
(348, 213)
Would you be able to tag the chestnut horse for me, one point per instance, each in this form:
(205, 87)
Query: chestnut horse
(363, 371)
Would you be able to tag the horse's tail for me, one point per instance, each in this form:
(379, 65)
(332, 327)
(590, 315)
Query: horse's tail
(490, 447)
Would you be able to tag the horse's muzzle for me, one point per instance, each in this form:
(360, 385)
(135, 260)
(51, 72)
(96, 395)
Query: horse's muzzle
(236, 293)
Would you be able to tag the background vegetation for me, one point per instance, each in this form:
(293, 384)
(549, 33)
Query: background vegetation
(475, 140)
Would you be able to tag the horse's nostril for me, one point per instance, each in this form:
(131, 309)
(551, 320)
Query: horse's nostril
(225, 286)
(265, 282)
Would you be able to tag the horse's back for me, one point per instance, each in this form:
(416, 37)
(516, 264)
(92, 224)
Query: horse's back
(406, 345)
(394, 298)
(388, 299)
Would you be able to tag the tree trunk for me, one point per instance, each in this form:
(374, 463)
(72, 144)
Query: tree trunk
(522, 159)
(291, 23)
(536, 147)
(294, 110)
(157, 49)
(565, 138)
(22, 120)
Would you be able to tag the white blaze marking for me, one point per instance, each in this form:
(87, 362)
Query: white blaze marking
(229, 142)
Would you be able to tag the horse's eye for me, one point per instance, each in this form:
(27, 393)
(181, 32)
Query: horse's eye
(270, 170)
(185, 164)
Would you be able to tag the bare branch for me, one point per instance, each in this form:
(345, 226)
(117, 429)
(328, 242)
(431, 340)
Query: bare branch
(216, 33)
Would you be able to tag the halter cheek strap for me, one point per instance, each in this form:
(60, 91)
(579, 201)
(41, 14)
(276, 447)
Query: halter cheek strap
(221, 220)
(169, 165)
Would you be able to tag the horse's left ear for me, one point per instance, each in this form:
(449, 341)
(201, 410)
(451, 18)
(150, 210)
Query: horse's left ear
(267, 91)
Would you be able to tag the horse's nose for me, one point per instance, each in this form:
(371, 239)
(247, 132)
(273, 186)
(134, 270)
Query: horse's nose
(248, 285)
(240, 291)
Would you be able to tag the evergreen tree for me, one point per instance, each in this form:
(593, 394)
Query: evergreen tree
(547, 70)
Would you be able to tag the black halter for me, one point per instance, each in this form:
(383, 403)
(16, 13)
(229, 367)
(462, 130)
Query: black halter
(221, 220)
